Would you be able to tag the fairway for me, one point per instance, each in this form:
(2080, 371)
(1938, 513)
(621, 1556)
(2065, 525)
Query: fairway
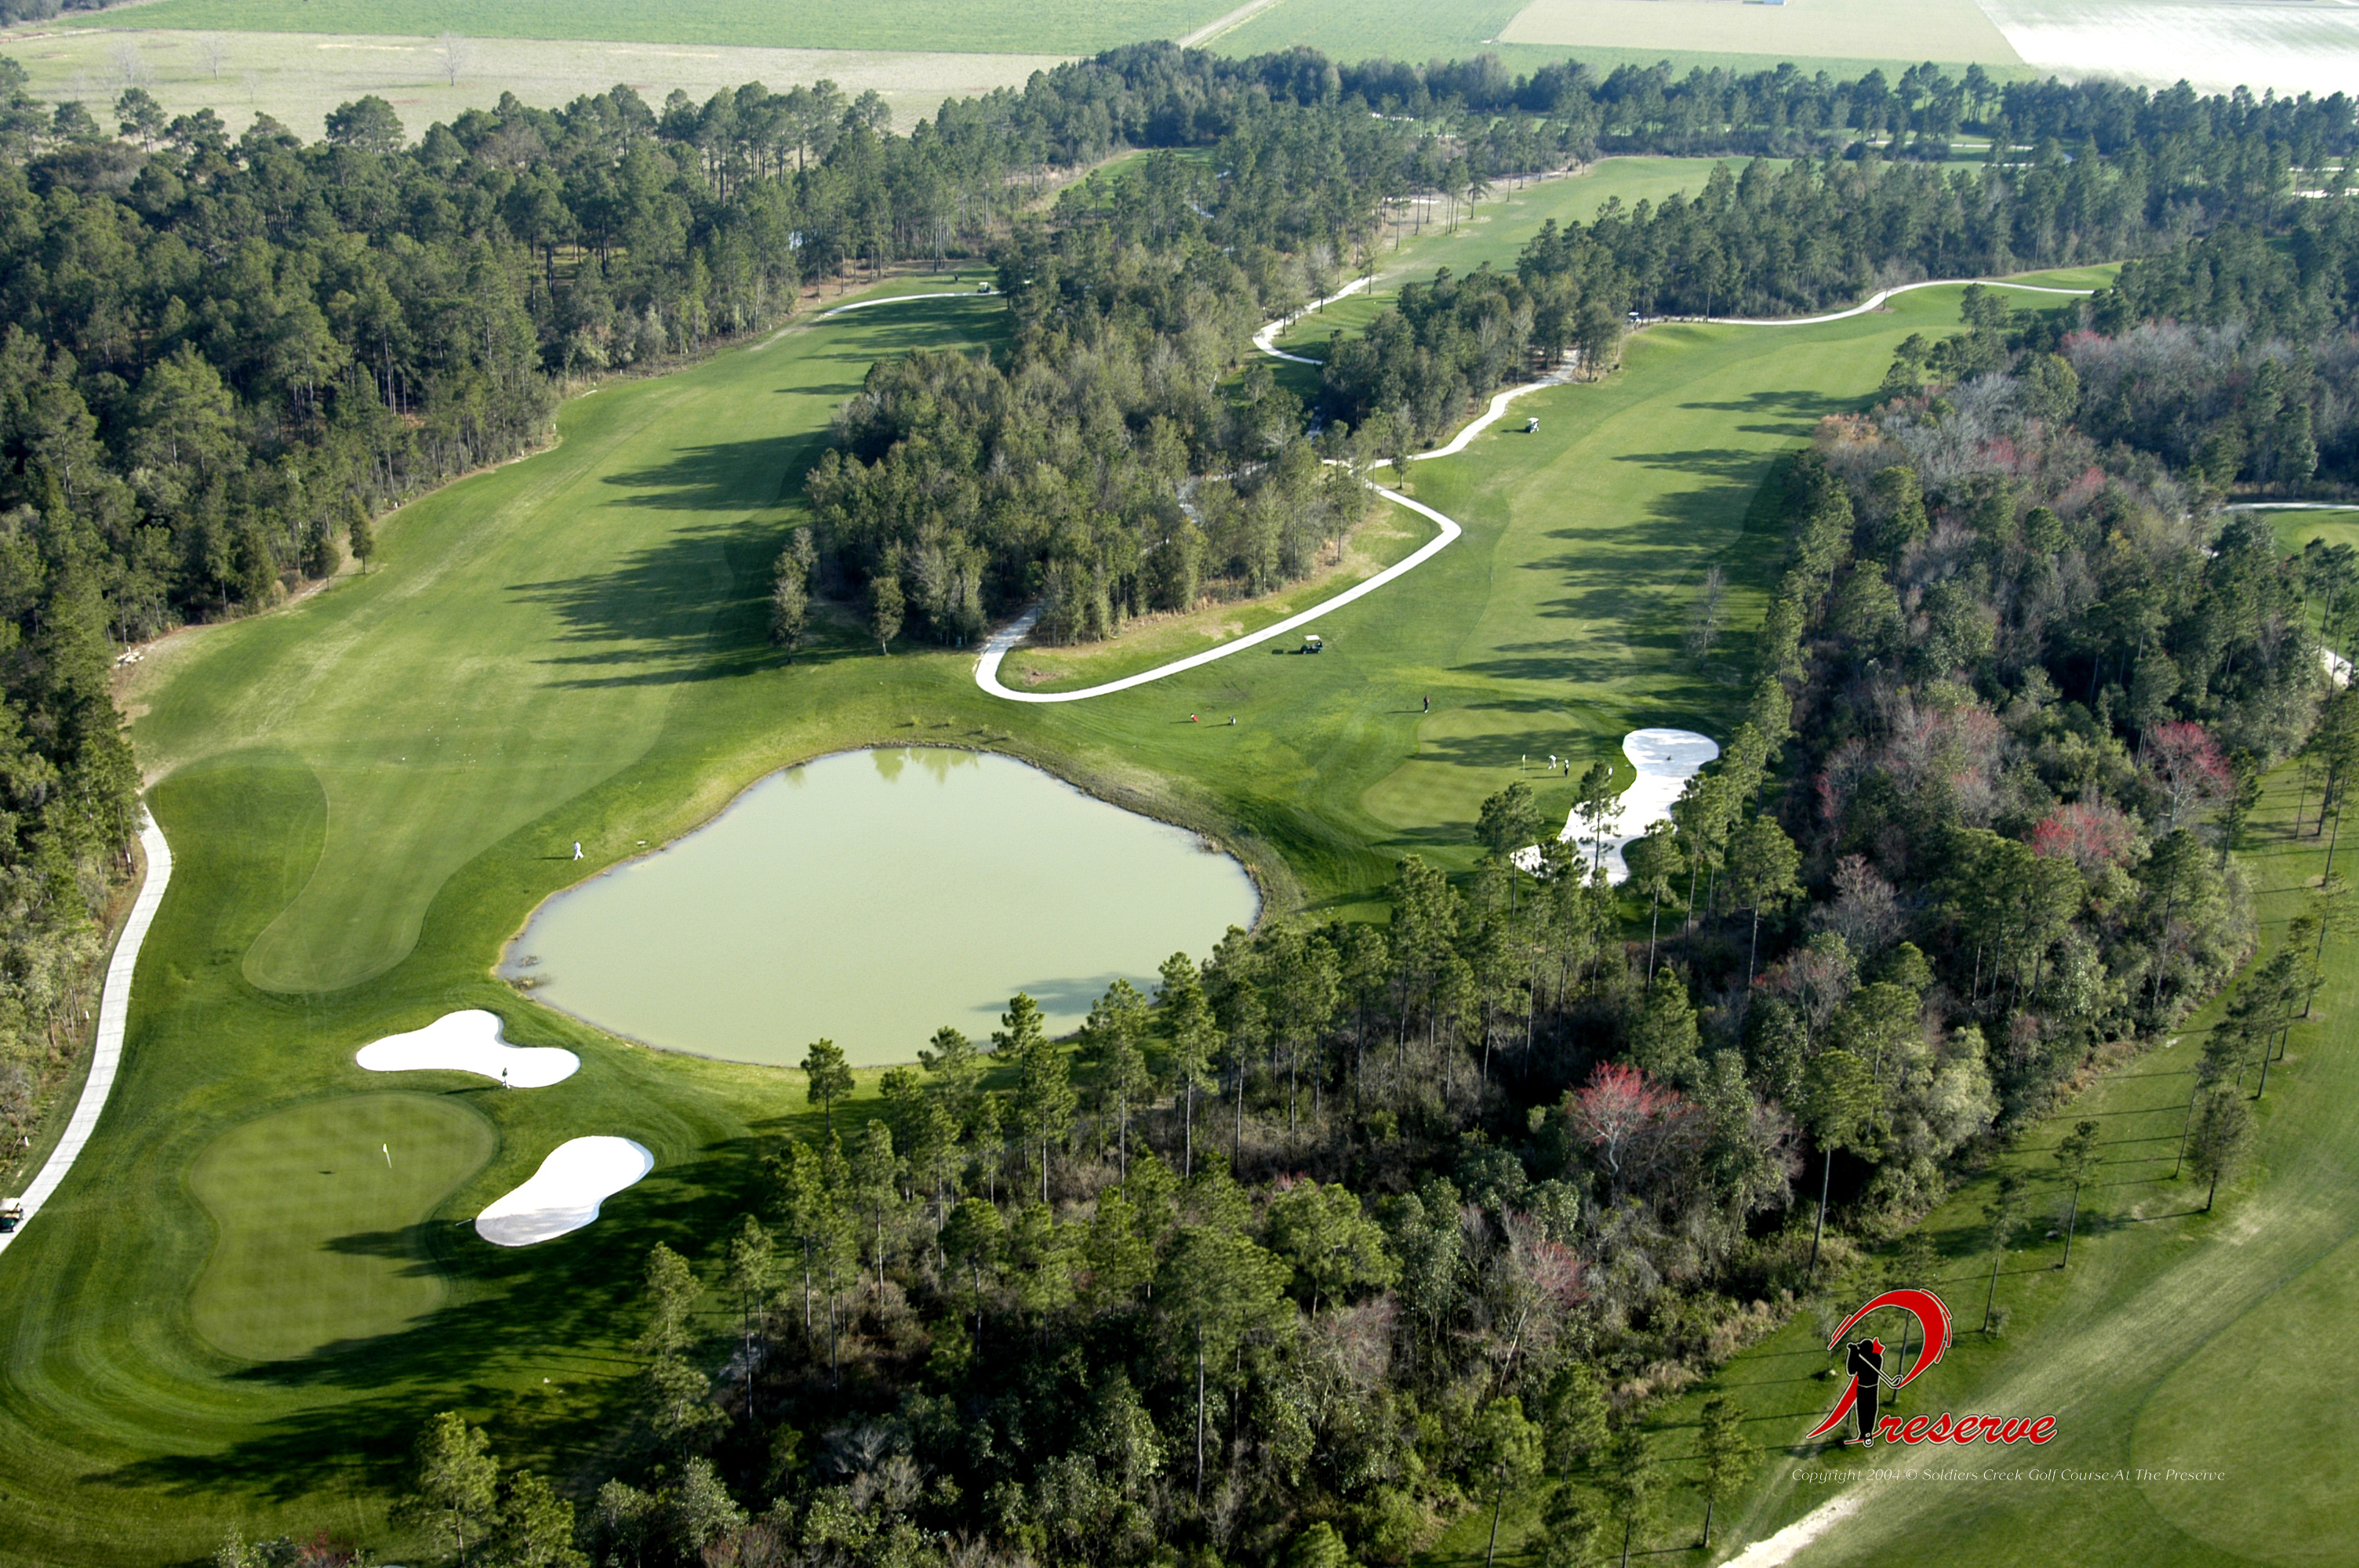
(495, 664)
(320, 1224)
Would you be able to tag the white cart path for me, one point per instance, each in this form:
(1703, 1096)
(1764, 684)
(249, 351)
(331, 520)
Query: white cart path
(113, 1002)
(996, 647)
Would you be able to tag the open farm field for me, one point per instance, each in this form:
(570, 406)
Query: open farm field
(1950, 31)
(2215, 45)
(1053, 27)
(369, 792)
(297, 76)
(1635, 32)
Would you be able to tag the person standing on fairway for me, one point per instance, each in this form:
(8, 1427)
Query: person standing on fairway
(1429, 705)
(577, 848)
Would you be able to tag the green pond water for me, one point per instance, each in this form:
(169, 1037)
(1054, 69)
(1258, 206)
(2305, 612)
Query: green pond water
(872, 897)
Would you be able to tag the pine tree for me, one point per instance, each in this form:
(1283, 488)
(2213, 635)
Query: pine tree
(829, 1075)
(1727, 1457)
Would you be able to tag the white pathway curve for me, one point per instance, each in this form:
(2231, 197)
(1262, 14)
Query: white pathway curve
(904, 298)
(986, 669)
(1266, 339)
(113, 1002)
(1876, 302)
(997, 648)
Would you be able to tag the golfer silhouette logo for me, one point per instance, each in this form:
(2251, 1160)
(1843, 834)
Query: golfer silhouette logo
(1863, 1393)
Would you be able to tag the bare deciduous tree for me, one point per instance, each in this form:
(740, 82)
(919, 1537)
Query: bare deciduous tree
(453, 54)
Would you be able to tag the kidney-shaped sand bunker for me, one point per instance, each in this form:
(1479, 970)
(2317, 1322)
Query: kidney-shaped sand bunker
(563, 1196)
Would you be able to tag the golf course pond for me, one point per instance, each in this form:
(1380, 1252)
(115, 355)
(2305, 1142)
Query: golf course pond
(872, 897)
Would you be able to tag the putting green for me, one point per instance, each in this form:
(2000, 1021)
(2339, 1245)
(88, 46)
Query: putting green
(322, 1229)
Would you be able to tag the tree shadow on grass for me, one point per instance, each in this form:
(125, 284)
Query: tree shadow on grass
(678, 610)
(726, 476)
(563, 1308)
(1796, 412)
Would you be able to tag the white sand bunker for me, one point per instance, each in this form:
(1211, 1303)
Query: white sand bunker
(564, 1194)
(470, 1041)
(1666, 759)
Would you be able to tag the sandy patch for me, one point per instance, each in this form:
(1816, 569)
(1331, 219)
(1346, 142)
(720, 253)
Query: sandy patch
(564, 1194)
(468, 1042)
(1666, 759)
(1781, 1548)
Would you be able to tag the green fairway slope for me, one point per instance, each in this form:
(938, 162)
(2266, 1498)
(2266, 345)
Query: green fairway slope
(368, 792)
(523, 637)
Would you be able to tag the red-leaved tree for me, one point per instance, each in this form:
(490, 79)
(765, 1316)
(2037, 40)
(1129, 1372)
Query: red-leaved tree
(1630, 1120)
(2090, 833)
(2187, 764)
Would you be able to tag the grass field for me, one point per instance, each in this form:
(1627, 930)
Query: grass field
(369, 791)
(297, 77)
(1046, 27)
(1605, 34)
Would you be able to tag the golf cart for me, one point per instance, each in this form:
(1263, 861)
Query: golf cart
(12, 1215)
(1314, 644)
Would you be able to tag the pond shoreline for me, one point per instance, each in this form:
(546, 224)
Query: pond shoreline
(1071, 883)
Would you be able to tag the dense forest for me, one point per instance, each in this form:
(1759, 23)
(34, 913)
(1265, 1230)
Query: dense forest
(1765, 241)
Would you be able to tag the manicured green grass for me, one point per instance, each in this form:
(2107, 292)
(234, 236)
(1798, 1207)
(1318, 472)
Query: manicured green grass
(2295, 529)
(367, 793)
(321, 1209)
(1384, 537)
(1498, 229)
(1051, 26)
